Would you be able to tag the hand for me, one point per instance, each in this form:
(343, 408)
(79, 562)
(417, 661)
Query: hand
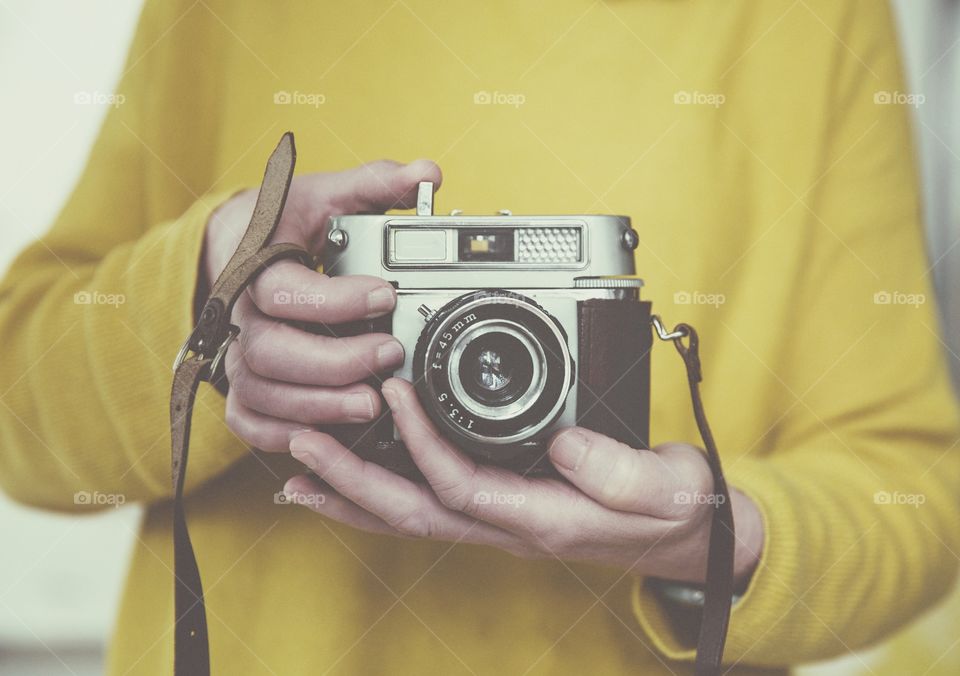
(642, 511)
(282, 378)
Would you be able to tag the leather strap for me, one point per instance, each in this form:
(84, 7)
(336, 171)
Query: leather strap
(208, 344)
(191, 651)
(718, 591)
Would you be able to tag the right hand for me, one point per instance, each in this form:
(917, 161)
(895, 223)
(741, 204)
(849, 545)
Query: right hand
(283, 379)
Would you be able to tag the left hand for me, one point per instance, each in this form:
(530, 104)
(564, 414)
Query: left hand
(643, 511)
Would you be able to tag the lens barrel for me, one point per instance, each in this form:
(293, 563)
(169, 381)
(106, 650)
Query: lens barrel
(492, 369)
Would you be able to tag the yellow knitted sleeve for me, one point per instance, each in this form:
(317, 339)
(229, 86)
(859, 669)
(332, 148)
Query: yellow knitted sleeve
(91, 315)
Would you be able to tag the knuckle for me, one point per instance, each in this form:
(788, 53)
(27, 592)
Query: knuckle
(239, 383)
(256, 356)
(695, 474)
(238, 422)
(555, 541)
(306, 408)
(413, 524)
(683, 511)
(336, 372)
(621, 483)
(458, 493)
(261, 292)
(232, 415)
(458, 490)
(694, 488)
(381, 166)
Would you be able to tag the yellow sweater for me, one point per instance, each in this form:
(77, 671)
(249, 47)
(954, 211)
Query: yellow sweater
(778, 212)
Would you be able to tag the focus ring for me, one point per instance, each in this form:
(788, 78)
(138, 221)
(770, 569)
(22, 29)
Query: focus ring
(457, 414)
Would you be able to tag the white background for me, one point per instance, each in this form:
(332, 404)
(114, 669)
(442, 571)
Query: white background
(60, 576)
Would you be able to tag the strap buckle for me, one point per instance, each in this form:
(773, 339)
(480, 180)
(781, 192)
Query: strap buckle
(185, 349)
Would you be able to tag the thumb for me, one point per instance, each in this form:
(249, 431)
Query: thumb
(624, 478)
(379, 186)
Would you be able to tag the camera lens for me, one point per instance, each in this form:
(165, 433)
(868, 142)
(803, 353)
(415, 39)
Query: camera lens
(492, 370)
(496, 369)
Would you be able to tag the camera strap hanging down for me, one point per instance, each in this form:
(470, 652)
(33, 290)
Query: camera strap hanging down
(200, 359)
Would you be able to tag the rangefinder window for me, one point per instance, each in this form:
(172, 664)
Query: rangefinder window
(487, 245)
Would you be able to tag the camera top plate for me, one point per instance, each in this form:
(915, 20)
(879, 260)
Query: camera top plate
(458, 251)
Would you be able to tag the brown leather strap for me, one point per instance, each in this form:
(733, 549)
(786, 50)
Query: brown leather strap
(190, 630)
(718, 591)
(208, 342)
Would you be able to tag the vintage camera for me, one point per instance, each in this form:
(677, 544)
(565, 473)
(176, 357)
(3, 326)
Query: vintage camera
(514, 327)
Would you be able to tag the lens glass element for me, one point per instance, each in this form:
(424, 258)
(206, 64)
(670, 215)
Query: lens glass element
(496, 368)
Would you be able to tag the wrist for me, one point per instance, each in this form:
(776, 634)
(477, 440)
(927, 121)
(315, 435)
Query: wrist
(749, 547)
(685, 561)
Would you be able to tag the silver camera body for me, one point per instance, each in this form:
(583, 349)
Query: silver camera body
(487, 310)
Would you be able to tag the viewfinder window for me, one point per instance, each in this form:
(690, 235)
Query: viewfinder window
(494, 245)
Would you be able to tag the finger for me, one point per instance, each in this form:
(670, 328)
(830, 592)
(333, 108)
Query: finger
(307, 491)
(458, 481)
(624, 478)
(289, 290)
(279, 351)
(400, 503)
(258, 430)
(372, 188)
(378, 186)
(549, 515)
(299, 403)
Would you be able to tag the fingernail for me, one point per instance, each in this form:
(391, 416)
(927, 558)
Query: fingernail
(304, 457)
(389, 354)
(296, 433)
(297, 446)
(569, 448)
(379, 301)
(358, 406)
(390, 395)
